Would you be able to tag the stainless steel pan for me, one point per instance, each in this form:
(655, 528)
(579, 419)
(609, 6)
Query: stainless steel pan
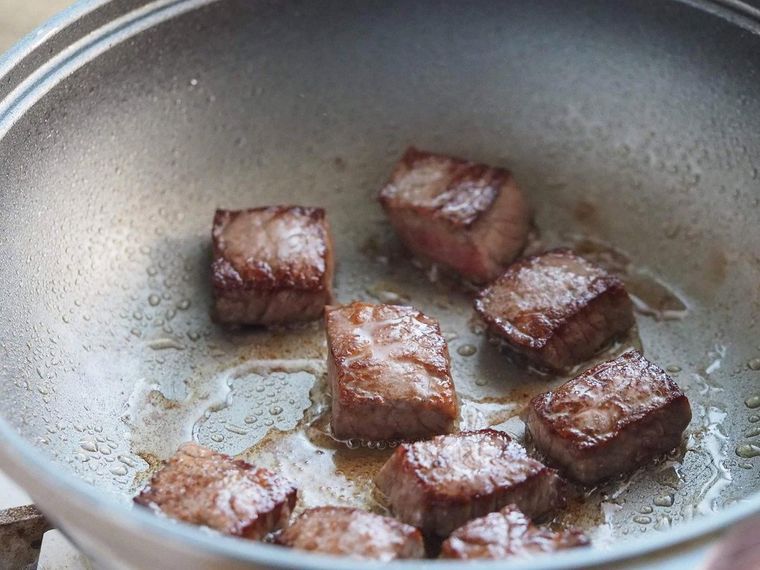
(123, 124)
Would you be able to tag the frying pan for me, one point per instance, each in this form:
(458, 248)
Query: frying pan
(634, 127)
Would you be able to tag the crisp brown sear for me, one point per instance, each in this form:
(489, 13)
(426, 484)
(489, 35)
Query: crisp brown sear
(505, 534)
(556, 309)
(469, 217)
(610, 419)
(271, 265)
(202, 487)
(440, 484)
(388, 369)
(344, 531)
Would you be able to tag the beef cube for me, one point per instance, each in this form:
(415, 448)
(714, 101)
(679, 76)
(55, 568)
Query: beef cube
(200, 486)
(440, 484)
(271, 265)
(469, 217)
(610, 419)
(344, 531)
(508, 533)
(388, 369)
(556, 309)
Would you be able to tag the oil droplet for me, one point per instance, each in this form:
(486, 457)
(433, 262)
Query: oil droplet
(165, 343)
(194, 336)
(753, 402)
(275, 410)
(467, 350)
(481, 381)
(154, 300)
(250, 419)
(663, 523)
(184, 304)
(646, 510)
(218, 438)
(65, 319)
(387, 293)
(641, 519)
(236, 430)
(119, 470)
(90, 446)
(752, 432)
(663, 501)
(744, 465)
(673, 369)
(754, 364)
(126, 460)
(754, 419)
(748, 450)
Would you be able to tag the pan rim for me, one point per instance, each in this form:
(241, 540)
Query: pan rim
(20, 457)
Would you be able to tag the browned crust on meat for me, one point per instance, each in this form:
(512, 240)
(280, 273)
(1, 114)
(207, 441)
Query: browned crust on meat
(352, 382)
(546, 330)
(483, 184)
(443, 503)
(434, 496)
(193, 486)
(344, 531)
(228, 277)
(549, 419)
(505, 534)
(562, 428)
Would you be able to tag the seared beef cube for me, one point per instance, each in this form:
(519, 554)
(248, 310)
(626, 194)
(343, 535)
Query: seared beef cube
(556, 309)
(271, 265)
(344, 531)
(440, 484)
(469, 217)
(388, 369)
(610, 419)
(506, 534)
(200, 486)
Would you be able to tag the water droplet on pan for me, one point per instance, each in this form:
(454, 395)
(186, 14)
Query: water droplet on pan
(753, 401)
(748, 450)
(467, 350)
(663, 501)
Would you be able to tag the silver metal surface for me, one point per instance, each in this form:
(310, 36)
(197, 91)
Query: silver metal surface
(124, 124)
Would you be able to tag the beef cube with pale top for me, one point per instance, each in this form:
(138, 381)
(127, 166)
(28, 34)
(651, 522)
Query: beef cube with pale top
(200, 486)
(440, 484)
(556, 309)
(610, 419)
(506, 534)
(271, 265)
(389, 373)
(469, 217)
(344, 531)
